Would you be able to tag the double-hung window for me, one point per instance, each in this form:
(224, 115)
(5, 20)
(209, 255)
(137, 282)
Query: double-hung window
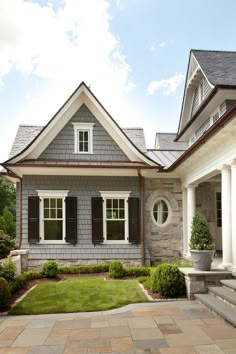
(83, 138)
(115, 216)
(52, 216)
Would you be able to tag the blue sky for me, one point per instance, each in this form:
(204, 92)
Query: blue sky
(133, 54)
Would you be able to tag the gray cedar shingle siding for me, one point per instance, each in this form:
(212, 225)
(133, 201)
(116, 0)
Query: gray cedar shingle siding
(206, 90)
(83, 188)
(218, 66)
(62, 147)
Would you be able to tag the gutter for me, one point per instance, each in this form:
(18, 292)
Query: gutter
(210, 132)
(141, 191)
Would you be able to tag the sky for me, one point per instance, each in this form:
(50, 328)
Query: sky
(132, 53)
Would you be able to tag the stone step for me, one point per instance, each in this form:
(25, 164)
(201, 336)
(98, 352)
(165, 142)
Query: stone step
(225, 293)
(230, 283)
(218, 306)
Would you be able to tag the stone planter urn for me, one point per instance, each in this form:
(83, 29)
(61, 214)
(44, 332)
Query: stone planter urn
(202, 259)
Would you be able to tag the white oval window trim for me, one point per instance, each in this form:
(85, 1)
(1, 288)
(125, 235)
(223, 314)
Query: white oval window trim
(165, 212)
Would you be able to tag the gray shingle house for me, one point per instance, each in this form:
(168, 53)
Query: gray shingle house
(89, 191)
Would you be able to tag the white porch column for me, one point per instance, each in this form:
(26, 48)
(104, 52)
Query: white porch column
(226, 216)
(185, 226)
(191, 208)
(233, 214)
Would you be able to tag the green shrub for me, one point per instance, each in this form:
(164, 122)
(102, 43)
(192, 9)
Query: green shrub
(116, 270)
(142, 279)
(137, 271)
(84, 269)
(201, 238)
(168, 281)
(5, 293)
(20, 281)
(7, 243)
(50, 269)
(148, 283)
(7, 269)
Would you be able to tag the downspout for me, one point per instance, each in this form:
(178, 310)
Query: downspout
(20, 213)
(141, 191)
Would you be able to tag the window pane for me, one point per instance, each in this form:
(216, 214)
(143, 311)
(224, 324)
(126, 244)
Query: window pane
(46, 213)
(46, 203)
(115, 230)
(108, 203)
(85, 147)
(121, 214)
(160, 211)
(121, 203)
(59, 213)
(81, 135)
(81, 146)
(86, 136)
(53, 213)
(52, 230)
(52, 203)
(115, 203)
(115, 214)
(109, 214)
(59, 203)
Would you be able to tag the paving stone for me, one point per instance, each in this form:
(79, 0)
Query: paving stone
(99, 324)
(118, 322)
(73, 324)
(146, 333)
(194, 322)
(169, 329)
(213, 321)
(5, 343)
(181, 350)
(41, 323)
(150, 343)
(115, 332)
(226, 343)
(121, 344)
(10, 333)
(200, 313)
(191, 336)
(163, 319)
(88, 333)
(13, 350)
(52, 349)
(230, 351)
(143, 322)
(31, 337)
(144, 313)
(59, 332)
(55, 340)
(219, 331)
(14, 323)
(208, 349)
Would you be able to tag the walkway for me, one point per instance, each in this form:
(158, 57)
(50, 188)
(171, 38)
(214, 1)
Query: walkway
(182, 327)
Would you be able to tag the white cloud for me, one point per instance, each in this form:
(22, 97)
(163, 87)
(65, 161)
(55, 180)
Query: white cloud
(162, 44)
(154, 46)
(62, 46)
(168, 85)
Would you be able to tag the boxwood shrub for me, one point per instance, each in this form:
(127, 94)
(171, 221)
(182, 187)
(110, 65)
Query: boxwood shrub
(20, 281)
(116, 270)
(50, 268)
(167, 280)
(5, 293)
(83, 269)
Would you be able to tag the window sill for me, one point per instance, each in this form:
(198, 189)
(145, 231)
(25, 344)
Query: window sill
(83, 153)
(116, 242)
(53, 243)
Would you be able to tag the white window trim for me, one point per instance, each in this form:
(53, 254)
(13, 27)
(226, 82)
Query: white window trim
(89, 128)
(169, 212)
(52, 194)
(116, 195)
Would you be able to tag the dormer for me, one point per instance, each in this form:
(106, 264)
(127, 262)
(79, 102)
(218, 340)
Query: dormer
(210, 90)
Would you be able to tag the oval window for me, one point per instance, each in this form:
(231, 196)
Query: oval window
(160, 212)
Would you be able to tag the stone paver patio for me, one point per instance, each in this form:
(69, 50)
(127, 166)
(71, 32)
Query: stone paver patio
(182, 327)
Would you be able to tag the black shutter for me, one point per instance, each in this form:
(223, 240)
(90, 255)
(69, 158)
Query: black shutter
(134, 220)
(71, 219)
(97, 220)
(33, 219)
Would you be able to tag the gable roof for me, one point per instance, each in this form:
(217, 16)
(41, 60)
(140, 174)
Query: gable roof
(26, 133)
(218, 66)
(165, 141)
(82, 95)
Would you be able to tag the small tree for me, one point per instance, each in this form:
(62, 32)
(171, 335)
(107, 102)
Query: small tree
(7, 223)
(201, 238)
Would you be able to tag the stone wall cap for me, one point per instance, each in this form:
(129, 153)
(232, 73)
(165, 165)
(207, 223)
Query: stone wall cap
(18, 252)
(192, 271)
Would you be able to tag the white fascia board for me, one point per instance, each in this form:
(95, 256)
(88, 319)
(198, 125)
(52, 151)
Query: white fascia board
(42, 193)
(65, 114)
(115, 194)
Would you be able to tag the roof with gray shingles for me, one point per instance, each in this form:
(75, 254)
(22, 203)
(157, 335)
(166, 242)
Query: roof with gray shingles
(164, 157)
(218, 66)
(165, 141)
(26, 133)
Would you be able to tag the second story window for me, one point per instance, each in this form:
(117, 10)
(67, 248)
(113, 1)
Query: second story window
(83, 138)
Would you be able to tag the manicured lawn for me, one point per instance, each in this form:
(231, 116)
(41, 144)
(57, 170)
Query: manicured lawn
(79, 294)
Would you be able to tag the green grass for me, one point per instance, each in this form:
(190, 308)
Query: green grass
(79, 294)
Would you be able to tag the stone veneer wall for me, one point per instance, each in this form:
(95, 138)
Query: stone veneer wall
(166, 242)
